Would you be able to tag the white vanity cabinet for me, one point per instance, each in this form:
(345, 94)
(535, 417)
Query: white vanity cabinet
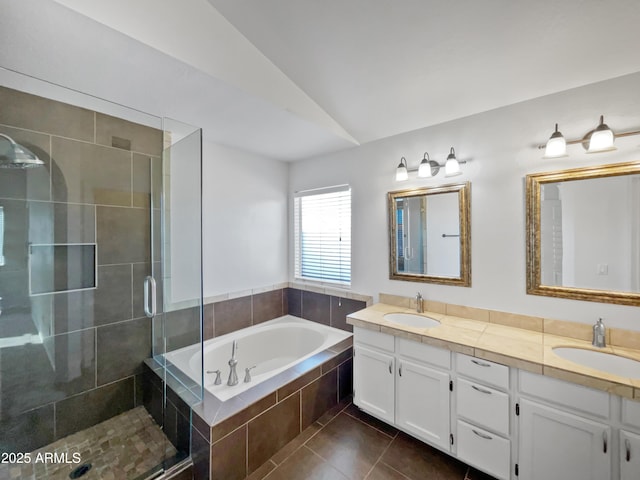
(629, 455)
(422, 392)
(405, 383)
(374, 373)
(483, 415)
(564, 430)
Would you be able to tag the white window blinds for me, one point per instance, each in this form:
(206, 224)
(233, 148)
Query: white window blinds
(322, 227)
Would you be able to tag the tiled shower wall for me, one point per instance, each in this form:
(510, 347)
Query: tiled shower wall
(95, 188)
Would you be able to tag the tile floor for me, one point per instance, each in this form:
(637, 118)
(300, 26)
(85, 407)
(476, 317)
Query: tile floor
(123, 447)
(349, 444)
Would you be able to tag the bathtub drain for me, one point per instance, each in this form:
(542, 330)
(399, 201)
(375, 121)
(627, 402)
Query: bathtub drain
(80, 471)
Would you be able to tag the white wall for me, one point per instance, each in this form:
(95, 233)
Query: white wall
(244, 220)
(500, 148)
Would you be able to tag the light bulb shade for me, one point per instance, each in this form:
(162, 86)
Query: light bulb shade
(601, 139)
(401, 172)
(424, 170)
(556, 146)
(452, 167)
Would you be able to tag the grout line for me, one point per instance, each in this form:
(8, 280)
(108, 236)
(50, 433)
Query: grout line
(371, 426)
(378, 460)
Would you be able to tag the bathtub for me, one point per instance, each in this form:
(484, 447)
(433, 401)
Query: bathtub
(270, 347)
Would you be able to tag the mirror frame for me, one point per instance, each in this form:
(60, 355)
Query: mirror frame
(534, 183)
(464, 207)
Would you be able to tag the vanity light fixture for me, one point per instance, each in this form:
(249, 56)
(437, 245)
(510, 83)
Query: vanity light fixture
(601, 139)
(556, 145)
(430, 168)
(402, 173)
(452, 166)
(595, 141)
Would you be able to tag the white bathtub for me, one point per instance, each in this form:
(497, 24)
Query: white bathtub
(271, 346)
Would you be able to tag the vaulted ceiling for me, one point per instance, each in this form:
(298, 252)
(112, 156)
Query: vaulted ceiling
(296, 78)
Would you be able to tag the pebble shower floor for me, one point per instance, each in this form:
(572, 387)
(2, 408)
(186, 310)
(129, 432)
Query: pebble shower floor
(123, 447)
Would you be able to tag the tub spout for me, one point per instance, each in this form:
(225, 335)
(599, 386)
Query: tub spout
(233, 375)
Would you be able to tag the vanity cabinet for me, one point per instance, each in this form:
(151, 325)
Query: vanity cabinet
(422, 392)
(565, 431)
(629, 455)
(374, 373)
(483, 415)
(557, 444)
(404, 383)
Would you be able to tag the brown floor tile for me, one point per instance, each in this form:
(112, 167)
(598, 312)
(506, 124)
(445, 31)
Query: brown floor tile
(332, 412)
(305, 465)
(263, 471)
(296, 443)
(418, 461)
(383, 427)
(382, 471)
(474, 474)
(349, 445)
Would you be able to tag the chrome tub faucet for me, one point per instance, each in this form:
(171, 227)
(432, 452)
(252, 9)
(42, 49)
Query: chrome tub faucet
(233, 375)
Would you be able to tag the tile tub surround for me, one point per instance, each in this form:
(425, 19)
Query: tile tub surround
(230, 312)
(232, 439)
(526, 349)
(95, 341)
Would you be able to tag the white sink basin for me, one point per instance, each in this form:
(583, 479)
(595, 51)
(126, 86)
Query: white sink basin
(411, 320)
(603, 361)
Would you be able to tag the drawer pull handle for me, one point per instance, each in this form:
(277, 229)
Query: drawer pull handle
(627, 447)
(480, 364)
(482, 435)
(481, 390)
(604, 442)
(391, 367)
(400, 370)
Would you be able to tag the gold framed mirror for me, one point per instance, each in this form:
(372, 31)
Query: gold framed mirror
(583, 233)
(430, 234)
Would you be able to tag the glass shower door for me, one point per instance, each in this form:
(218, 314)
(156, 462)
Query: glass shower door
(78, 234)
(173, 291)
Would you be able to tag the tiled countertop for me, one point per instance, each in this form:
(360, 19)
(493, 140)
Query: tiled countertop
(525, 349)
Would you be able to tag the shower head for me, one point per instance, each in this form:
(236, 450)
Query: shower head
(17, 156)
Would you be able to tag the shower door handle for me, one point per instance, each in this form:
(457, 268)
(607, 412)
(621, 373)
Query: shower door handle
(149, 296)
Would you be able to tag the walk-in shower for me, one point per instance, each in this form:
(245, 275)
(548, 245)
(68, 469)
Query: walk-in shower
(87, 191)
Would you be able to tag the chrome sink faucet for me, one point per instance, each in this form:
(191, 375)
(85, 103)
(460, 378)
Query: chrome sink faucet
(419, 303)
(233, 375)
(599, 332)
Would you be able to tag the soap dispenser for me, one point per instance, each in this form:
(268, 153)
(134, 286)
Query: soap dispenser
(599, 334)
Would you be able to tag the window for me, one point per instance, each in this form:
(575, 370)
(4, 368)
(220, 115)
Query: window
(322, 224)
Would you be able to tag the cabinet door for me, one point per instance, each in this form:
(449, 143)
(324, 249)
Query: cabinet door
(373, 377)
(422, 401)
(556, 444)
(629, 456)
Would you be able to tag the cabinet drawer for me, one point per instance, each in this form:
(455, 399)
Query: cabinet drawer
(484, 450)
(374, 339)
(574, 397)
(482, 405)
(421, 352)
(483, 370)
